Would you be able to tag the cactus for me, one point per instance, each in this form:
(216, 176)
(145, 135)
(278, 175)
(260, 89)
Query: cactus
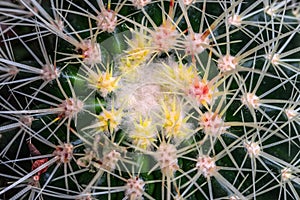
(141, 99)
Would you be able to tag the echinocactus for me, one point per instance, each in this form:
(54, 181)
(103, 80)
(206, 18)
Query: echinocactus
(141, 99)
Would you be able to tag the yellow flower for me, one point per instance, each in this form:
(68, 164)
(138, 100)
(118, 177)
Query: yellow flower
(178, 76)
(175, 124)
(134, 58)
(103, 81)
(182, 73)
(144, 133)
(109, 120)
(137, 53)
